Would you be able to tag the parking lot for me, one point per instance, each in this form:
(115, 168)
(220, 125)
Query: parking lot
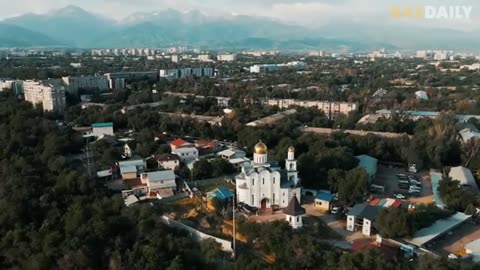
(387, 177)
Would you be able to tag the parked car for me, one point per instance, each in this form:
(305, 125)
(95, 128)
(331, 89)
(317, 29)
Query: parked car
(335, 210)
(414, 190)
(400, 196)
(415, 182)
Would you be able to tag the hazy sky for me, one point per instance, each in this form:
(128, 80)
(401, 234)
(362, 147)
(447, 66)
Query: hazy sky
(305, 12)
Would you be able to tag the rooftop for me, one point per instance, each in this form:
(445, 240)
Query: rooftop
(324, 196)
(100, 125)
(161, 176)
(364, 211)
(133, 162)
(438, 228)
(178, 142)
(368, 163)
(294, 208)
(128, 169)
(167, 157)
(222, 193)
(464, 176)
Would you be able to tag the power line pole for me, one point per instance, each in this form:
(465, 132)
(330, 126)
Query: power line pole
(234, 233)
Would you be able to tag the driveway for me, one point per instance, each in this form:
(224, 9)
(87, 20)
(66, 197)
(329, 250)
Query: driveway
(337, 225)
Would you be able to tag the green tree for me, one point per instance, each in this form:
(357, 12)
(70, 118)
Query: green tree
(202, 169)
(394, 222)
(353, 188)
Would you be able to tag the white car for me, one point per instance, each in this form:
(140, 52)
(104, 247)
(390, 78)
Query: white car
(400, 196)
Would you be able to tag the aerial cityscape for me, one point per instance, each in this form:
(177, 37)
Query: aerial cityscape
(276, 134)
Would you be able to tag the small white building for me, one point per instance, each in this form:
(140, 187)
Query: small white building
(294, 213)
(186, 154)
(361, 216)
(100, 129)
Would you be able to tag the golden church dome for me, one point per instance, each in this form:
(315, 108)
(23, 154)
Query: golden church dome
(260, 148)
(291, 149)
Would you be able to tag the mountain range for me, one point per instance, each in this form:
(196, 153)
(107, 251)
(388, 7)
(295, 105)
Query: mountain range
(72, 26)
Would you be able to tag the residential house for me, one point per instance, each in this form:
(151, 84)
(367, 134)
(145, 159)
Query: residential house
(168, 161)
(236, 157)
(186, 154)
(179, 143)
(130, 169)
(160, 182)
(158, 185)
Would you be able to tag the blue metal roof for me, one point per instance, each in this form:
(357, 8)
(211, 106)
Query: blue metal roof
(221, 193)
(100, 125)
(324, 196)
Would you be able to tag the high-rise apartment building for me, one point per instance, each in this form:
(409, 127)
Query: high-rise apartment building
(73, 84)
(50, 94)
(227, 57)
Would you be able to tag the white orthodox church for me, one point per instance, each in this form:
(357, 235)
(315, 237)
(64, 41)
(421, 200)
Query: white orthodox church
(264, 185)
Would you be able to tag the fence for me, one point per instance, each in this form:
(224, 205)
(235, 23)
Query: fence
(198, 235)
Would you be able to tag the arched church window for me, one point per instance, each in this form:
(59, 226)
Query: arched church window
(274, 180)
(263, 181)
(291, 166)
(253, 182)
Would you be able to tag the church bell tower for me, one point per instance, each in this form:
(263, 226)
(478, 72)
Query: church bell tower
(291, 166)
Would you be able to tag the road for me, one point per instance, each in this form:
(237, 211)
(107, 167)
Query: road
(354, 132)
